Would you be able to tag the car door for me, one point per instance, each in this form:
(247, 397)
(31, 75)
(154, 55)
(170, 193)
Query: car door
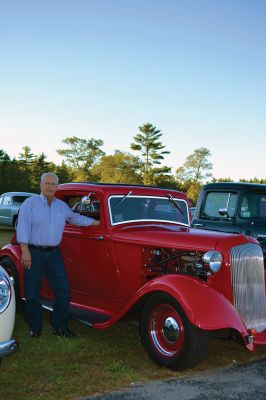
(88, 260)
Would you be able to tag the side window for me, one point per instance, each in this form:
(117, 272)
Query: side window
(7, 200)
(87, 205)
(218, 200)
(245, 209)
(19, 199)
(263, 207)
(253, 205)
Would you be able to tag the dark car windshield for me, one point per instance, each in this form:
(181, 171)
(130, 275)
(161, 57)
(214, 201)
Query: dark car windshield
(253, 205)
(137, 208)
(217, 200)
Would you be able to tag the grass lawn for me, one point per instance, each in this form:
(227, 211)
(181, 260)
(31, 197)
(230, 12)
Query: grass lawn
(95, 362)
(6, 234)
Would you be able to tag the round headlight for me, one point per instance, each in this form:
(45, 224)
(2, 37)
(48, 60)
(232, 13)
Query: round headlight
(213, 259)
(5, 293)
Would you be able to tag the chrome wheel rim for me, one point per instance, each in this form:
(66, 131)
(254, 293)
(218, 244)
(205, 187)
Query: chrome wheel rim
(166, 330)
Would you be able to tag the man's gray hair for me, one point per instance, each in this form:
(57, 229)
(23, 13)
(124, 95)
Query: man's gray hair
(50, 174)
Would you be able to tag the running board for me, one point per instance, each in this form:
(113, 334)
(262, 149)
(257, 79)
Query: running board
(87, 317)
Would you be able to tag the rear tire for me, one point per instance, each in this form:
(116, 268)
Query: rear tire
(168, 336)
(15, 221)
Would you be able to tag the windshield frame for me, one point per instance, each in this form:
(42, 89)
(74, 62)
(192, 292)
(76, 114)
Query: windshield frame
(111, 209)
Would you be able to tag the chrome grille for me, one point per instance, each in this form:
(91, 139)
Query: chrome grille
(248, 285)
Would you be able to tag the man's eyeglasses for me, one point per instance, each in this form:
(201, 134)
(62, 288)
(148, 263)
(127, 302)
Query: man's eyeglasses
(50, 184)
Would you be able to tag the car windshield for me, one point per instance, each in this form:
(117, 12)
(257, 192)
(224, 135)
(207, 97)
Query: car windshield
(19, 199)
(253, 205)
(147, 208)
(217, 200)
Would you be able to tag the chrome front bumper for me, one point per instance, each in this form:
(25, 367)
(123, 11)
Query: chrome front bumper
(8, 347)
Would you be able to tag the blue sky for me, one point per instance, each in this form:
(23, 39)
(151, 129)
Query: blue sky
(194, 68)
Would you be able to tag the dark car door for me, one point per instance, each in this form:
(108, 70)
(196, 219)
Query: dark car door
(252, 215)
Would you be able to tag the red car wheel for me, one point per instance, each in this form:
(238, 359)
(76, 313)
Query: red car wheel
(168, 336)
(166, 330)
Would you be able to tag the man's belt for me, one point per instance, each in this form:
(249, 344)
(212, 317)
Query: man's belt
(44, 248)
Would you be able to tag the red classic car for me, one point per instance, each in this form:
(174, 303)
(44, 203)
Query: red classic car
(145, 261)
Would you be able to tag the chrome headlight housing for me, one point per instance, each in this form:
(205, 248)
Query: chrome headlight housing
(5, 292)
(214, 260)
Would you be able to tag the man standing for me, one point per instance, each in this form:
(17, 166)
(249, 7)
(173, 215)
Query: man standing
(40, 228)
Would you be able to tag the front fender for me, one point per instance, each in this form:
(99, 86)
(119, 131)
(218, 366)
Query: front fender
(7, 317)
(204, 307)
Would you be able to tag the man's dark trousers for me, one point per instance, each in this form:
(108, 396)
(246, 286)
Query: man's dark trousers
(48, 263)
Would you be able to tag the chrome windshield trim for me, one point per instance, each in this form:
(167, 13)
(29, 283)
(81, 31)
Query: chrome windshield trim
(114, 223)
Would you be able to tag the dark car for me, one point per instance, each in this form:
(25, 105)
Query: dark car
(233, 207)
(9, 206)
(192, 211)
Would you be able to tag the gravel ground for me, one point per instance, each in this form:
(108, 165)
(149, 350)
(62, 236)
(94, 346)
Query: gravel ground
(243, 382)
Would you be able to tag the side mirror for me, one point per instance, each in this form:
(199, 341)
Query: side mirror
(87, 199)
(224, 213)
(90, 203)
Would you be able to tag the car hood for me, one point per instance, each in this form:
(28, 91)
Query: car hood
(168, 235)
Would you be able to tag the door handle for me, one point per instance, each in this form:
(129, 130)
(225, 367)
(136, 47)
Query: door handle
(100, 237)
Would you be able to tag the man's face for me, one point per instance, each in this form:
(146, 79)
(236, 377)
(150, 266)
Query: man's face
(48, 186)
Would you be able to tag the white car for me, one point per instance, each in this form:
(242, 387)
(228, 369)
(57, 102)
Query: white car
(7, 314)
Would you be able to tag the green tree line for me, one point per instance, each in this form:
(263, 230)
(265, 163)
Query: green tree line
(85, 161)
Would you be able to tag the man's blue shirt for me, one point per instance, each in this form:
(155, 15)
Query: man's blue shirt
(43, 225)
